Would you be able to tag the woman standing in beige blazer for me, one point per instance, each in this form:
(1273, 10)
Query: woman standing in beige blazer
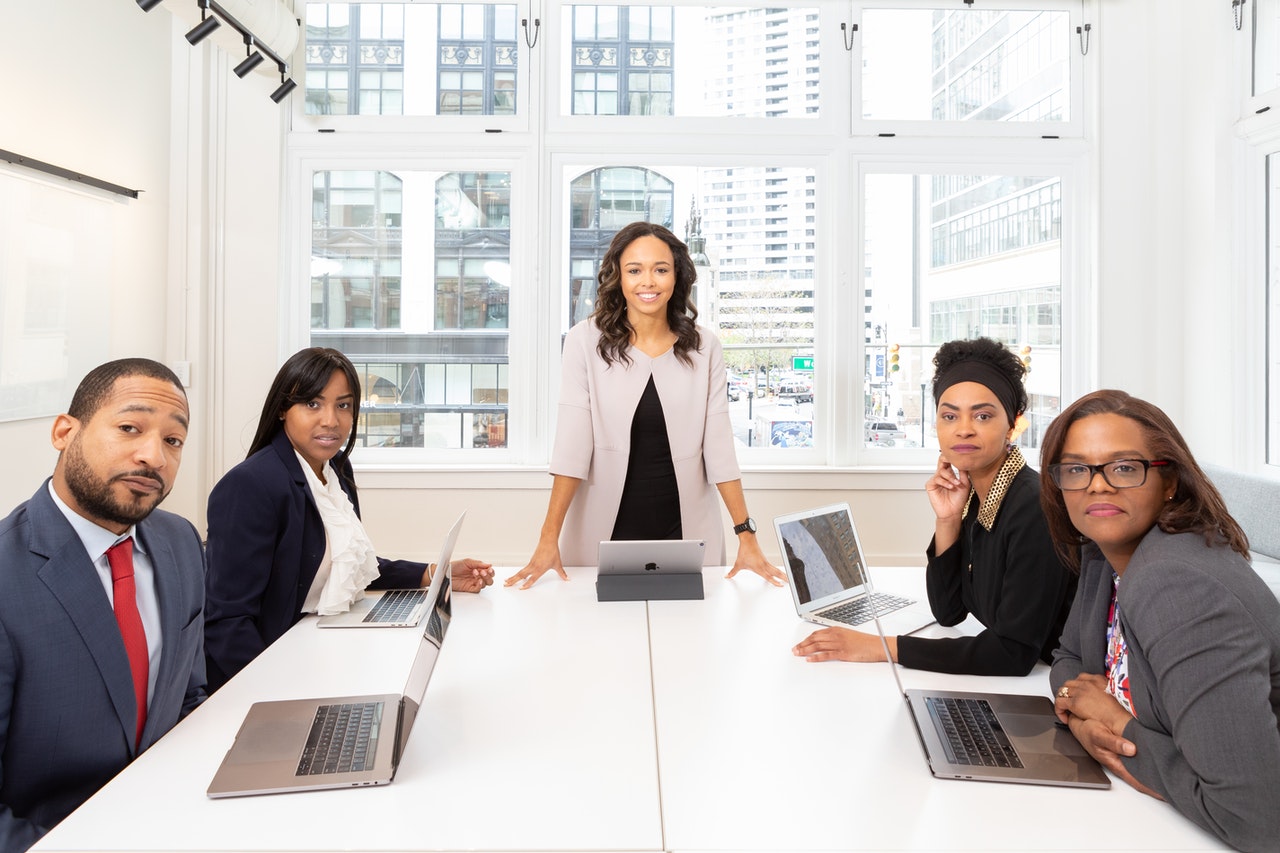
(643, 440)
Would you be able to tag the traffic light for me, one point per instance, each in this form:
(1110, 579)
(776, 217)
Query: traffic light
(894, 367)
(1024, 356)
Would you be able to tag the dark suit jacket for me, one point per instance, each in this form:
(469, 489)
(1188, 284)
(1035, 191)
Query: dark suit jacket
(265, 544)
(67, 707)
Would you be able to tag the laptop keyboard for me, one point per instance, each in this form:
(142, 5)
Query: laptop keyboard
(343, 739)
(859, 610)
(394, 605)
(970, 732)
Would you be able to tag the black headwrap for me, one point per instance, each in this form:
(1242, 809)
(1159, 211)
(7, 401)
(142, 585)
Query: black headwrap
(986, 375)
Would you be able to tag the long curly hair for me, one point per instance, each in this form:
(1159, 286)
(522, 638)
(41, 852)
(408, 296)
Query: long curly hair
(1196, 507)
(610, 314)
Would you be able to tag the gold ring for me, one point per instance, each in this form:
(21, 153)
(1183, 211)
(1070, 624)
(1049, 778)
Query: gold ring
(1064, 692)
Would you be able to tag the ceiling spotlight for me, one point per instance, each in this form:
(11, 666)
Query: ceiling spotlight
(247, 64)
(287, 85)
(207, 25)
(148, 5)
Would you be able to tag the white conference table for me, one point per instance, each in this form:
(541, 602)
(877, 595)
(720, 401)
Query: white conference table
(763, 751)
(557, 723)
(536, 733)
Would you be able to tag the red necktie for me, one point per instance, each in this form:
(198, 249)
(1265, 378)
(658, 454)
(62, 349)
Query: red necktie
(120, 556)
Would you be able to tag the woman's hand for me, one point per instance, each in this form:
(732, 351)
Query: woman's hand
(750, 557)
(547, 556)
(1086, 697)
(469, 575)
(948, 491)
(1098, 721)
(844, 644)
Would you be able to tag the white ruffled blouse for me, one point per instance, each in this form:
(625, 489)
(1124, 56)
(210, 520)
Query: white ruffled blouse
(349, 564)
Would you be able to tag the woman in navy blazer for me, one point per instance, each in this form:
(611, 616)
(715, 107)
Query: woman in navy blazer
(266, 537)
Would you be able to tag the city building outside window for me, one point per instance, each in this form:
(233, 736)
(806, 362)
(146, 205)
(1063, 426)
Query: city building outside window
(450, 287)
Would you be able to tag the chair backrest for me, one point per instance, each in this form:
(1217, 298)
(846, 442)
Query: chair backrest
(1254, 502)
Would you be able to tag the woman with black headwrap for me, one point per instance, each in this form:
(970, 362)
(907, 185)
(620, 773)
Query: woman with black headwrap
(991, 555)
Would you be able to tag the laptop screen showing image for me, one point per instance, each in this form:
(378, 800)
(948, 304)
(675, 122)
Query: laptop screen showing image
(822, 553)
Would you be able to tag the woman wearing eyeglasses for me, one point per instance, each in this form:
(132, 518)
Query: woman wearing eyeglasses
(1168, 670)
(991, 556)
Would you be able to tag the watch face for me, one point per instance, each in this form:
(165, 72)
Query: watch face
(749, 524)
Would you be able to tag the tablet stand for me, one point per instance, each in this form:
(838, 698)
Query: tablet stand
(662, 586)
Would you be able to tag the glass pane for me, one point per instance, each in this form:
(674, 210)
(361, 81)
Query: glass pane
(691, 61)
(425, 319)
(371, 46)
(990, 265)
(965, 65)
(752, 242)
(1266, 45)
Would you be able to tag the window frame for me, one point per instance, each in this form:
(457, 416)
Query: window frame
(540, 151)
(525, 390)
(1075, 128)
(1255, 310)
(525, 104)
(1071, 166)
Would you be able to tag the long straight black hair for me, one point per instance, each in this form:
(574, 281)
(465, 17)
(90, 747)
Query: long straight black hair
(301, 379)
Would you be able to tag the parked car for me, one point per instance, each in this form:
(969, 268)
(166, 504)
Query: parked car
(735, 393)
(883, 434)
(801, 392)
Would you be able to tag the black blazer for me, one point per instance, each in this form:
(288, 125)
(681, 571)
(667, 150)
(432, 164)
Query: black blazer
(1009, 578)
(265, 544)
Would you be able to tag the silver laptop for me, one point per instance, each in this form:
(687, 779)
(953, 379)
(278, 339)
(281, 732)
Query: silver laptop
(996, 737)
(651, 556)
(336, 742)
(393, 608)
(830, 582)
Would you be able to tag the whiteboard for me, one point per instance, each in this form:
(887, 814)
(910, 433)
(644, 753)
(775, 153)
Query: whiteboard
(55, 291)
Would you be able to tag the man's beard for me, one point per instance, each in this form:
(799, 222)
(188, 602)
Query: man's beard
(95, 495)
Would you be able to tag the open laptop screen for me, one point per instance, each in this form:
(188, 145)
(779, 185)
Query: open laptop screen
(821, 550)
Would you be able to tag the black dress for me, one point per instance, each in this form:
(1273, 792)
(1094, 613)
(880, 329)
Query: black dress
(650, 505)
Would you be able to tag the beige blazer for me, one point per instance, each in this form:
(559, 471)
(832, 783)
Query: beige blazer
(593, 438)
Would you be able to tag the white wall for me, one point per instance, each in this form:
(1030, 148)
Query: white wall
(86, 86)
(103, 88)
(1176, 322)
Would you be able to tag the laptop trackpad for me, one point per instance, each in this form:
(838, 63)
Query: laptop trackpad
(1041, 733)
(268, 742)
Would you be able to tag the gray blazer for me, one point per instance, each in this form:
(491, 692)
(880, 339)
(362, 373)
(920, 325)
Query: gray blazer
(1204, 675)
(67, 707)
(593, 438)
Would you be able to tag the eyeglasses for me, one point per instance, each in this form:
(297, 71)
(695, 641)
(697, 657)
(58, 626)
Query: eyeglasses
(1120, 474)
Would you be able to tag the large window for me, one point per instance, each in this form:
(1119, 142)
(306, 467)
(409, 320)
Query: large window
(394, 59)
(1260, 127)
(987, 66)
(991, 267)
(1266, 44)
(448, 258)
(691, 61)
(410, 277)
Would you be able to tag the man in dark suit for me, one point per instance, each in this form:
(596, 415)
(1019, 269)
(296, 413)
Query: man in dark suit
(101, 600)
